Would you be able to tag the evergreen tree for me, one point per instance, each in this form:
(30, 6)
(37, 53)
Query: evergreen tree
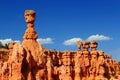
(6, 46)
(119, 62)
(1, 45)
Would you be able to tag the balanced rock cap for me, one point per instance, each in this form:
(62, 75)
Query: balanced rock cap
(32, 12)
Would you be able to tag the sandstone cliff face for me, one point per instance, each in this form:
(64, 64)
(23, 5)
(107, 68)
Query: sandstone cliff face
(4, 54)
(30, 61)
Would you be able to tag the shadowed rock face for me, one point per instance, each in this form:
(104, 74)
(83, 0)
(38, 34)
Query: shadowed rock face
(30, 61)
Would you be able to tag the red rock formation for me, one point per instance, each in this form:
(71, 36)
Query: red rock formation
(34, 60)
(4, 54)
(30, 61)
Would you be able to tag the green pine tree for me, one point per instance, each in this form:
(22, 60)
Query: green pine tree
(1, 46)
(119, 62)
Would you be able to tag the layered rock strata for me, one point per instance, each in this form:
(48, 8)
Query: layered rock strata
(31, 61)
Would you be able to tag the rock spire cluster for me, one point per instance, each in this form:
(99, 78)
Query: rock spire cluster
(31, 61)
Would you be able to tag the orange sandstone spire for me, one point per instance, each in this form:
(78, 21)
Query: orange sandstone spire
(34, 51)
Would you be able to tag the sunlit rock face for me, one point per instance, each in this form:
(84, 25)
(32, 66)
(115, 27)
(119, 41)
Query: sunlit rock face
(31, 61)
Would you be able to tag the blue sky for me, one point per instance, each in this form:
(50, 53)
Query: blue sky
(60, 23)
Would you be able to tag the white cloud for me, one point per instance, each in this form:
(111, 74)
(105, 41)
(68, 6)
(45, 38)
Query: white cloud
(98, 38)
(71, 41)
(45, 41)
(7, 41)
(40, 40)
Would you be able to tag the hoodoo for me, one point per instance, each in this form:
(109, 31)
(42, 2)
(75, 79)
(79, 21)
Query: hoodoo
(31, 61)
